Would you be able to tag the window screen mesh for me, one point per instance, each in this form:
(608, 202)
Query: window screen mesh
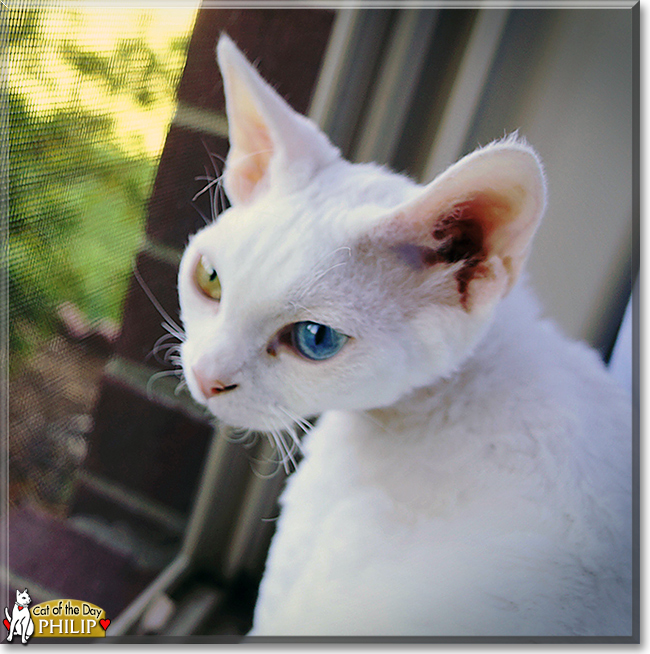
(105, 455)
(88, 94)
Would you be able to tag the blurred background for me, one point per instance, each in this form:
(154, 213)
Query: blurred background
(113, 126)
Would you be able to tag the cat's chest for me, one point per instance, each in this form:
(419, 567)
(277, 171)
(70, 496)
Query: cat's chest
(428, 471)
(364, 522)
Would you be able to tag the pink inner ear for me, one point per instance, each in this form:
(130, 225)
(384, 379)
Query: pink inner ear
(473, 231)
(479, 224)
(460, 233)
(248, 161)
(245, 174)
(469, 231)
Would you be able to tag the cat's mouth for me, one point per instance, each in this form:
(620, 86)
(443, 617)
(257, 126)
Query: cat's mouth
(241, 415)
(268, 423)
(233, 406)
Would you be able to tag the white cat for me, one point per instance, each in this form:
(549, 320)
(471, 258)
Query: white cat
(21, 622)
(470, 473)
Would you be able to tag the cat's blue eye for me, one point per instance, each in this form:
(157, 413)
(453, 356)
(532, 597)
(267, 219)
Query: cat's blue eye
(316, 341)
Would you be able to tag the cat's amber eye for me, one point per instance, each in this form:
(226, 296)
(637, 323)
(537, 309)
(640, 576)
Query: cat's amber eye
(207, 279)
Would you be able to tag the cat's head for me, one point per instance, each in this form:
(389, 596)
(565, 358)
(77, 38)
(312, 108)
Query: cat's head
(23, 598)
(330, 285)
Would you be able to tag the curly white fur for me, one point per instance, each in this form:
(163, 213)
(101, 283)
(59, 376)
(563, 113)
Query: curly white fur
(470, 474)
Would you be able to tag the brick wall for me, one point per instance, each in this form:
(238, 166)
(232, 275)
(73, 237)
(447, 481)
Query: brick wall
(149, 442)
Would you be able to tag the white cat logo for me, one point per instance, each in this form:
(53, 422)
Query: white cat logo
(20, 621)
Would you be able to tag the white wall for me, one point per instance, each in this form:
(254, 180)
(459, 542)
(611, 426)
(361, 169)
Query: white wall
(579, 116)
(573, 102)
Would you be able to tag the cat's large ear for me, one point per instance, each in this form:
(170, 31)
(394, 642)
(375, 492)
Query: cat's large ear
(270, 143)
(476, 219)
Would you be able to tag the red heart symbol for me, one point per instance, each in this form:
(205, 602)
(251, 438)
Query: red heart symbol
(105, 622)
(7, 623)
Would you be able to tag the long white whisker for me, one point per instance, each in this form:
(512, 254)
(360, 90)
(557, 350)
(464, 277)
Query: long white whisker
(162, 341)
(212, 181)
(295, 443)
(214, 156)
(218, 201)
(254, 154)
(286, 452)
(256, 472)
(214, 209)
(346, 248)
(302, 423)
(287, 455)
(216, 180)
(290, 430)
(241, 436)
(159, 375)
(171, 325)
(297, 422)
(173, 350)
(164, 347)
(246, 437)
(161, 345)
(320, 274)
(277, 447)
(223, 201)
(208, 187)
(174, 330)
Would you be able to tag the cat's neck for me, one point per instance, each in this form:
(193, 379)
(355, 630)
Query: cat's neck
(495, 356)
(433, 436)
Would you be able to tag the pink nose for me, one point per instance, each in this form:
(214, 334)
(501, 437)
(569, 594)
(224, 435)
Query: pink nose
(211, 387)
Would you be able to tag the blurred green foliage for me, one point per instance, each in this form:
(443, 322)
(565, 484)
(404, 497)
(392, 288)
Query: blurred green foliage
(78, 185)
